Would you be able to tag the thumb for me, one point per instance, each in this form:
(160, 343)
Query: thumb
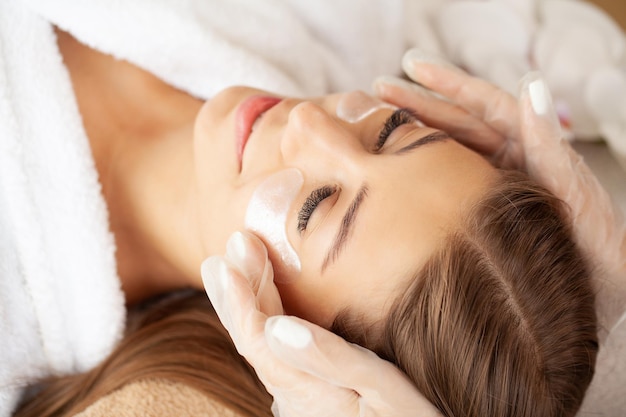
(249, 255)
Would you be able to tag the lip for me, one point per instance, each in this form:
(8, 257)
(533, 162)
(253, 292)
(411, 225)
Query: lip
(246, 115)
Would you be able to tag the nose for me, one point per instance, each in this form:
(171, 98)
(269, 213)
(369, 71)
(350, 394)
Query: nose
(313, 135)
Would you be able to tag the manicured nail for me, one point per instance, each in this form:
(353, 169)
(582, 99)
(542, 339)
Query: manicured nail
(380, 82)
(236, 247)
(417, 55)
(214, 271)
(240, 251)
(275, 409)
(289, 332)
(539, 96)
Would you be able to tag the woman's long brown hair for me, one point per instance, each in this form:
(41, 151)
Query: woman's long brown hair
(501, 321)
(178, 339)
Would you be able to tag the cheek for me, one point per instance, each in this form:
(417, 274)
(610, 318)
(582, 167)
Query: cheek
(220, 205)
(307, 299)
(213, 146)
(221, 208)
(221, 212)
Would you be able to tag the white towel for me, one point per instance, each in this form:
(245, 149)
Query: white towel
(297, 47)
(61, 307)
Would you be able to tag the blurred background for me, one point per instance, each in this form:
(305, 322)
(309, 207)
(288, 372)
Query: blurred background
(578, 45)
(616, 8)
(596, 154)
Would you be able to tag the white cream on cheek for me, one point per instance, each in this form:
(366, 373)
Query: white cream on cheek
(355, 106)
(266, 216)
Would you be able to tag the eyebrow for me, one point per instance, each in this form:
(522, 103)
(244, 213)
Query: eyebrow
(433, 137)
(345, 228)
(348, 220)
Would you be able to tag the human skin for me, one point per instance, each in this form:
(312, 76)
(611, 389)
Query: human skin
(176, 189)
(414, 198)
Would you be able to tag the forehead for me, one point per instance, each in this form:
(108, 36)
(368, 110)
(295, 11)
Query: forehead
(411, 207)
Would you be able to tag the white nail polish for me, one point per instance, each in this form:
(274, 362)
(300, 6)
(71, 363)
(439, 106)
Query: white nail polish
(236, 247)
(214, 272)
(399, 82)
(222, 274)
(290, 333)
(417, 55)
(413, 87)
(206, 271)
(275, 409)
(539, 96)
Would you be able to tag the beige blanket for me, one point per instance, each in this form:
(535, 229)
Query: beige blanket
(156, 398)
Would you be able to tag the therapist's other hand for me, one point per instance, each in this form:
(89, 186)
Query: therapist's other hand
(523, 133)
(308, 370)
(473, 111)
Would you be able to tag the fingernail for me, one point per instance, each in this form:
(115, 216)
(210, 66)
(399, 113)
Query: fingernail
(539, 97)
(214, 272)
(275, 408)
(236, 247)
(417, 55)
(241, 253)
(289, 332)
(380, 82)
(385, 80)
(216, 279)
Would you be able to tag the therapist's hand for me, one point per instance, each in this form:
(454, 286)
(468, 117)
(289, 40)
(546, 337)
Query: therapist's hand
(473, 111)
(308, 370)
(514, 133)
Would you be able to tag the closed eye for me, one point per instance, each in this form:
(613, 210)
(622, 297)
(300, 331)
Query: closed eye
(398, 118)
(310, 204)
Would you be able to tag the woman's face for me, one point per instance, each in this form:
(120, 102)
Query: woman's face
(362, 218)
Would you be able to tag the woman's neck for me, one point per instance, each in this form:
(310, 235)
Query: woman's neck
(140, 131)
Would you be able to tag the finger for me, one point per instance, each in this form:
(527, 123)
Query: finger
(302, 399)
(328, 357)
(551, 160)
(480, 98)
(235, 304)
(234, 301)
(249, 255)
(441, 114)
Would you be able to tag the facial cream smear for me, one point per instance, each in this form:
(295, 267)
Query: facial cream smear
(266, 216)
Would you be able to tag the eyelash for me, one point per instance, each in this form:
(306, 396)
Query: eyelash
(311, 203)
(398, 118)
